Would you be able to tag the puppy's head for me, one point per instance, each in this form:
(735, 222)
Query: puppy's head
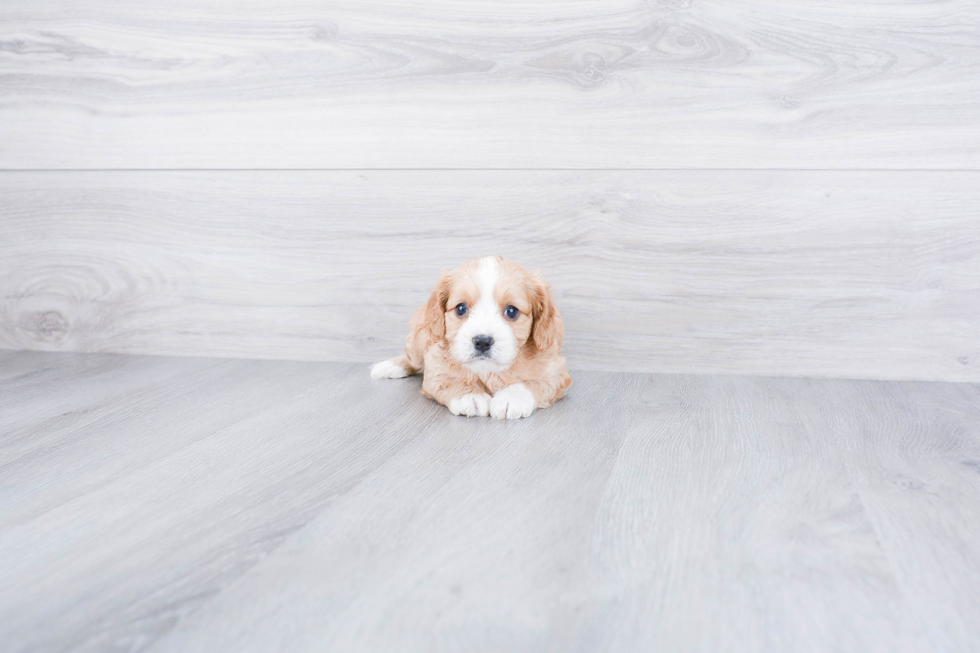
(490, 311)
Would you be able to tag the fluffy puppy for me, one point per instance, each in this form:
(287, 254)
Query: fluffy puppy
(488, 342)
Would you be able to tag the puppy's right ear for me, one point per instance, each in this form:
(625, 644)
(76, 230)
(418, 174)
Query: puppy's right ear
(546, 330)
(434, 315)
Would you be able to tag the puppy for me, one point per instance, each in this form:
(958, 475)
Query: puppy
(488, 342)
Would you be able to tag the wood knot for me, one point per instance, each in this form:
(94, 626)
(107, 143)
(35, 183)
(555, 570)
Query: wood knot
(51, 325)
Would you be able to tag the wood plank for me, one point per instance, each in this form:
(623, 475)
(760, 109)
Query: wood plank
(153, 506)
(819, 273)
(917, 459)
(505, 512)
(584, 84)
(818, 515)
(46, 384)
(117, 409)
(500, 514)
(777, 551)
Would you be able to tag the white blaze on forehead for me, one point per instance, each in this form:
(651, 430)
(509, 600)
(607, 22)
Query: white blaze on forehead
(487, 273)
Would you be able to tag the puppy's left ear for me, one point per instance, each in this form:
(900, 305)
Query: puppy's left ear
(433, 322)
(546, 330)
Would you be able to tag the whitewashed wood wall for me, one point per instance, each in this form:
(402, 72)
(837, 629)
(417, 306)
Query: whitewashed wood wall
(782, 187)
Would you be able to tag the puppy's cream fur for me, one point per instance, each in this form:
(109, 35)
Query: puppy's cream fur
(523, 369)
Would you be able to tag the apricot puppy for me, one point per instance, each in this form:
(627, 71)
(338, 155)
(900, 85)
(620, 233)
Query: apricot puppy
(488, 342)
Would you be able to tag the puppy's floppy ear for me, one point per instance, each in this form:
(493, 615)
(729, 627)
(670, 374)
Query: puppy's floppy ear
(434, 313)
(547, 329)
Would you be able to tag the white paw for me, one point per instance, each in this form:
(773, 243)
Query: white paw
(512, 402)
(388, 370)
(471, 405)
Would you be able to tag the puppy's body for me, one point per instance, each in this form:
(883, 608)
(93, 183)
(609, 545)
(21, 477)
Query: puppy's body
(488, 342)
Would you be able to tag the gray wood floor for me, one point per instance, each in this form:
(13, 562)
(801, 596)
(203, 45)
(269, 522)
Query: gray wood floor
(169, 504)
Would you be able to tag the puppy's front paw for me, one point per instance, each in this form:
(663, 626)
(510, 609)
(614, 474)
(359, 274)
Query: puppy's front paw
(388, 369)
(513, 402)
(471, 405)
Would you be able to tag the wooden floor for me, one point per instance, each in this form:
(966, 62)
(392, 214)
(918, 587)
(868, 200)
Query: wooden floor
(181, 504)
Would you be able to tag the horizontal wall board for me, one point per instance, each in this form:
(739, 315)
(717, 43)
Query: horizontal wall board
(852, 274)
(103, 84)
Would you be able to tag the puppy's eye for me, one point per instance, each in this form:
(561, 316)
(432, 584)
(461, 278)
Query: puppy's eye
(461, 310)
(512, 312)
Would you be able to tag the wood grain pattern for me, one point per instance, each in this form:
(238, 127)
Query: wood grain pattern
(254, 433)
(853, 274)
(223, 505)
(555, 84)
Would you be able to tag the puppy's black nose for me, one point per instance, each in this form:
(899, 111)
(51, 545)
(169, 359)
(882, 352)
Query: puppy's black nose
(482, 343)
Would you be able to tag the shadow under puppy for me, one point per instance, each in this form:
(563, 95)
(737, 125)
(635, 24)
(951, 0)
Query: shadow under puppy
(488, 342)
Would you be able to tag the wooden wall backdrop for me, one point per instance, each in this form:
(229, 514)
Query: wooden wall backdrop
(788, 272)
(772, 188)
(490, 83)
